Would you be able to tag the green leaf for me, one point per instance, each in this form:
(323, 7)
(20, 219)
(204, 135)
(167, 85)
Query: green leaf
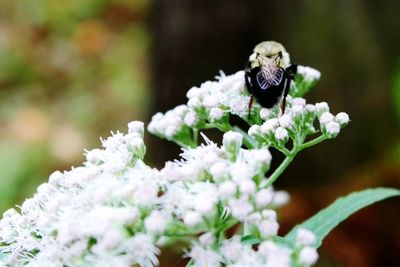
(327, 219)
(252, 240)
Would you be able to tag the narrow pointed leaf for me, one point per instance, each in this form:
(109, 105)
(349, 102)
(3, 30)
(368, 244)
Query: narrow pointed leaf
(324, 221)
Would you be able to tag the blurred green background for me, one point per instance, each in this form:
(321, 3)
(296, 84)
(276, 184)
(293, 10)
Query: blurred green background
(71, 71)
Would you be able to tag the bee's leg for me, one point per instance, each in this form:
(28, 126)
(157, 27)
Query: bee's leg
(278, 56)
(250, 105)
(285, 93)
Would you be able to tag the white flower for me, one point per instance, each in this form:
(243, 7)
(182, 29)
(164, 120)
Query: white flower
(265, 113)
(240, 208)
(269, 215)
(308, 256)
(194, 102)
(254, 130)
(280, 198)
(247, 187)
(156, 222)
(204, 257)
(297, 111)
(227, 189)
(171, 130)
(321, 108)
(308, 73)
(310, 108)
(232, 141)
(56, 178)
(140, 249)
(268, 228)
(219, 171)
(191, 118)
(332, 129)
(281, 134)
(216, 114)
(137, 128)
(232, 249)
(269, 126)
(240, 105)
(285, 121)
(254, 218)
(240, 171)
(305, 237)
(342, 118)
(193, 92)
(298, 101)
(207, 239)
(264, 197)
(192, 218)
(138, 147)
(276, 256)
(325, 118)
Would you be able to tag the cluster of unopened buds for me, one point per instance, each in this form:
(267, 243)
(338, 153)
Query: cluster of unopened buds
(117, 211)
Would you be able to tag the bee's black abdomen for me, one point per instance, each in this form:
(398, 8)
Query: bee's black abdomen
(268, 97)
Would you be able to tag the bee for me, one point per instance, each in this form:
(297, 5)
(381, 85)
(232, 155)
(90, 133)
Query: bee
(268, 75)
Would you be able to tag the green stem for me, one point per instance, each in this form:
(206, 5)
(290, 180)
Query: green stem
(196, 137)
(179, 234)
(247, 140)
(313, 142)
(290, 156)
(284, 150)
(281, 168)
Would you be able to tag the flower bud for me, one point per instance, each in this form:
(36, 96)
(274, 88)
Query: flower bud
(254, 130)
(321, 108)
(325, 118)
(308, 256)
(192, 218)
(332, 129)
(56, 178)
(265, 113)
(268, 228)
(281, 135)
(297, 111)
(285, 121)
(191, 119)
(308, 73)
(227, 189)
(216, 114)
(232, 142)
(305, 237)
(342, 118)
(247, 187)
(269, 126)
(138, 147)
(264, 197)
(136, 128)
(219, 171)
(298, 101)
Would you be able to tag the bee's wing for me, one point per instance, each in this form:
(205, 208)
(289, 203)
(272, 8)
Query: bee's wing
(269, 76)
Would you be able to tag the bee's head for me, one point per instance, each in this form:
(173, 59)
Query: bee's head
(271, 49)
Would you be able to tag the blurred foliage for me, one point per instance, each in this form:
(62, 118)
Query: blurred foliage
(396, 92)
(69, 72)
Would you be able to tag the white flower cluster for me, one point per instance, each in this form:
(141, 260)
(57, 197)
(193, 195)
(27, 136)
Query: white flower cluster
(235, 253)
(209, 103)
(114, 209)
(117, 211)
(92, 215)
(214, 182)
(297, 122)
